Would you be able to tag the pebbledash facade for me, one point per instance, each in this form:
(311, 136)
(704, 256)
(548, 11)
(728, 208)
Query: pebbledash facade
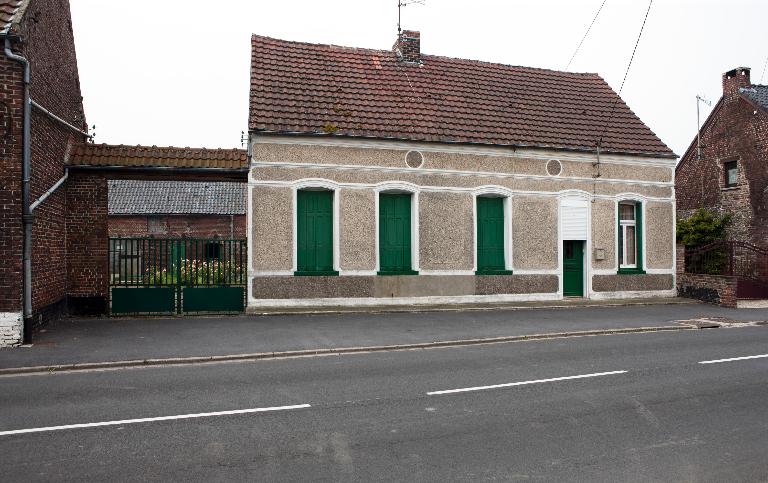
(391, 177)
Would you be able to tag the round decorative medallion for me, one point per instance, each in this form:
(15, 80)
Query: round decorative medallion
(414, 159)
(554, 168)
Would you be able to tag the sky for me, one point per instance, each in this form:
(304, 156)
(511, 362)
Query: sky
(176, 72)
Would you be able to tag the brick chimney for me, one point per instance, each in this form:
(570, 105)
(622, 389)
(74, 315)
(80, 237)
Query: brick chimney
(408, 46)
(734, 79)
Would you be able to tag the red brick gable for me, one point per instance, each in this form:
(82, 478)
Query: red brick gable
(300, 88)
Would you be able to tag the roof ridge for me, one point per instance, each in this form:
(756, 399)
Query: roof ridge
(428, 56)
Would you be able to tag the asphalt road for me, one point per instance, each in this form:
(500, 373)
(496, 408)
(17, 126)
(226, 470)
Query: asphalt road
(643, 408)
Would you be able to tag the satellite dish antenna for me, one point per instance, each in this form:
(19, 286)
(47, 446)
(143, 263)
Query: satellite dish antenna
(405, 3)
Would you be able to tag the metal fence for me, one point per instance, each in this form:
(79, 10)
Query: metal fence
(732, 258)
(171, 275)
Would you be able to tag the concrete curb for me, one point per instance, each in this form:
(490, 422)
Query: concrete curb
(173, 361)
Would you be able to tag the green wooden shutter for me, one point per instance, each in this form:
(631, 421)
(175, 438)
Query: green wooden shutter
(314, 216)
(490, 236)
(395, 234)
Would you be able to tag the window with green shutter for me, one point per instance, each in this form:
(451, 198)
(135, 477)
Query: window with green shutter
(490, 236)
(395, 235)
(630, 235)
(314, 226)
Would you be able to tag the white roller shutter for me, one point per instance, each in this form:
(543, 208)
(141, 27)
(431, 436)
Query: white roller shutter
(574, 219)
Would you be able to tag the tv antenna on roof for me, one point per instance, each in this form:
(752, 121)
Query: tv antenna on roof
(405, 3)
(699, 100)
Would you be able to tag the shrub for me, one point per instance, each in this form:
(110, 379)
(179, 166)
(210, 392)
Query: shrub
(702, 228)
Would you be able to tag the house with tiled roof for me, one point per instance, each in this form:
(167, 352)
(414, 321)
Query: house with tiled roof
(395, 177)
(725, 168)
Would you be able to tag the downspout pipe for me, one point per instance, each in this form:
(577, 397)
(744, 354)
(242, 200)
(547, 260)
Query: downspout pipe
(26, 212)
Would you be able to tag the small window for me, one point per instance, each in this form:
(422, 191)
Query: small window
(156, 225)
(731, 169)
(630, 237)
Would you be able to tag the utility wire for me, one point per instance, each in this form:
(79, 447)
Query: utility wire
(764, 66)
(626, 73)
(585, 35)
(616, 101)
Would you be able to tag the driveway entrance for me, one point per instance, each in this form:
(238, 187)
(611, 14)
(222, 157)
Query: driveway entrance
(166, 276)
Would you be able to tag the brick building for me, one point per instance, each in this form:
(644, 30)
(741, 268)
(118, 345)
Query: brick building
(727, 171)
(176, 209)
(394, 177)
(144, 179)
(36, 34)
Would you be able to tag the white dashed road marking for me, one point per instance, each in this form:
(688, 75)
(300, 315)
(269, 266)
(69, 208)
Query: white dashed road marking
(151, 420)
(761, 356)
(523, 383)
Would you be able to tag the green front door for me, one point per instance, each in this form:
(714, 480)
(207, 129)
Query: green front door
(490, 235)
(573, 268)
(314, 213)
(395, 234)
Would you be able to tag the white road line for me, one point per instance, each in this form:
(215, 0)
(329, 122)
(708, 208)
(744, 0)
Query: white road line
(149, 420)
(523, 383)
(761, 356)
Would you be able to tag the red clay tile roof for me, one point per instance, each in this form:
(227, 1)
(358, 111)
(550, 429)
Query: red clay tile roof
(153, 156)
(300, 88)
(10, 11)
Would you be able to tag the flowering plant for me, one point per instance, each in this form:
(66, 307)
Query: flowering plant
(195, 272)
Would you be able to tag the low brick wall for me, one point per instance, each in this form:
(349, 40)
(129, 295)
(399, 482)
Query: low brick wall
(715, 289)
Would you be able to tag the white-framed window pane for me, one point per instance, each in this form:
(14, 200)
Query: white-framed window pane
(626, 212)
(630, 246)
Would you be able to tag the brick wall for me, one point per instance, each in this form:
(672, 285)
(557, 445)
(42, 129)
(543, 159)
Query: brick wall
(48, 44)
(715, 289)
(178, 226)
(87, 243)
(11, 110)
(736, 130)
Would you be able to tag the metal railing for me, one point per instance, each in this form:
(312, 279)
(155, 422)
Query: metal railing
(157, 262)
(731, 258)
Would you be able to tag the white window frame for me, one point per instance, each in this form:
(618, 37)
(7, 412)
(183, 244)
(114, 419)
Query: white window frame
(623, 224)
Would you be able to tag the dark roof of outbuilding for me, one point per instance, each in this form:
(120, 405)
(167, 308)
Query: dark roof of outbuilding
(136, 197)
(757, 94)
(11, 12)
(154, 156)
(301, 88)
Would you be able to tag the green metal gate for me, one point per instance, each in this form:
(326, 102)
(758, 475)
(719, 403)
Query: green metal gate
(180, 275)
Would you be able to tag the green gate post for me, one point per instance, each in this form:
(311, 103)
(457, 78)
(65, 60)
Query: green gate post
(178, 276)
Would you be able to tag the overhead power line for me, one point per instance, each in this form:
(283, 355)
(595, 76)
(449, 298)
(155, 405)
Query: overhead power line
(626, 73)
(585, 35)
(618, 96)
(764, 66)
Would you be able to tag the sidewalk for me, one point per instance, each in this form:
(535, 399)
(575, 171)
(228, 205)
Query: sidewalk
(80, 341)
